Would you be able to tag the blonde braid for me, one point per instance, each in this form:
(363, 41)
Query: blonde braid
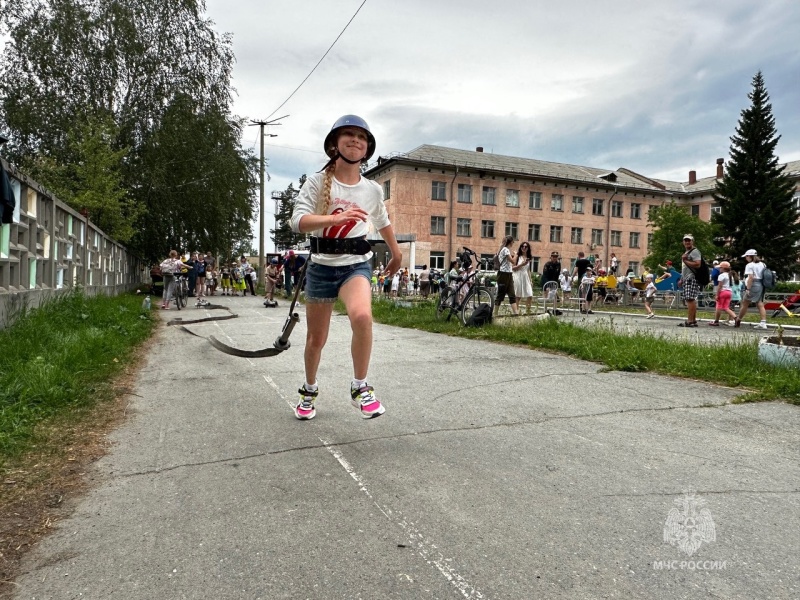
(326, 189)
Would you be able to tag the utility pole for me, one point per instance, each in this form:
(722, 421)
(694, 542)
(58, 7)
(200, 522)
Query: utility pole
(261, 224)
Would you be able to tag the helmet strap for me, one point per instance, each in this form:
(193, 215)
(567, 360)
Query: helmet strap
(347, 160)
(338, 155)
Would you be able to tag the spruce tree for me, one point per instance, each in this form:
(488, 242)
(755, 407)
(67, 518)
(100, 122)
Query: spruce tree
(754, 195)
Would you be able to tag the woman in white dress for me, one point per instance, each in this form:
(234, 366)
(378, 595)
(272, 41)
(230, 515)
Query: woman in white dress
(523, 289)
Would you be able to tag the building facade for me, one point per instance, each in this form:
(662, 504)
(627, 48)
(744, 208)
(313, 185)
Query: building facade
(442, 199)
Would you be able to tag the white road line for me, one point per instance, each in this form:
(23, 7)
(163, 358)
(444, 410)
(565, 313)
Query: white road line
(426, 549)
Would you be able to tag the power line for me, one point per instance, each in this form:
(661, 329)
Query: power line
(320, 60)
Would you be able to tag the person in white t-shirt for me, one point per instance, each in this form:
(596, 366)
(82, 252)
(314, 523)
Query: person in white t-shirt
(337, 203)
(724, 293)
(753, 272)
(505, 278)
(649, 295)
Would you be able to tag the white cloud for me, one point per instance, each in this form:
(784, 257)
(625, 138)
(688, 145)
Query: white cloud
(655, 87)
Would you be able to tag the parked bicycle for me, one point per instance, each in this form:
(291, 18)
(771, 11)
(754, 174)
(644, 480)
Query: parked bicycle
(464, 295)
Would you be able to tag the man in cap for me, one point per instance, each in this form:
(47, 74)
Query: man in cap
(691, 259)
(715, 270)
(551, 269)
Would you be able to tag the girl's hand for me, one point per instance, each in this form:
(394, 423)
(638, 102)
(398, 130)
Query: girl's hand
(351, 214)
(392, 267)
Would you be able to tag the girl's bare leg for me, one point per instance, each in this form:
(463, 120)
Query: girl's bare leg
(318, 321)
(356, 297)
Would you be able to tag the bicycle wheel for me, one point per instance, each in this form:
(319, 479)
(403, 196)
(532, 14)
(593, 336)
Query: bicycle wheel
(477, 296)
(445, 304)
(180, 296)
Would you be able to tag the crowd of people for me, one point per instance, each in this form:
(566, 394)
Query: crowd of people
(401, 284)
(204, 277)
(590, 284)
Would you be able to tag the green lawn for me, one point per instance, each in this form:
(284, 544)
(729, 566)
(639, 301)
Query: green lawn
(62, 357)
(731, 364)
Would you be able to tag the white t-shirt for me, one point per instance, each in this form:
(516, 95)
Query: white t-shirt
(650, 290)
(756, 268)
(365, 194)
(724, 281)
(505, 260)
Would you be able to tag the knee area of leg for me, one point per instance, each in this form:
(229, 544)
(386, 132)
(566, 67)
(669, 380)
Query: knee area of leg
(362, 317)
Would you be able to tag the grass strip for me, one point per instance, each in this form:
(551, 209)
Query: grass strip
(734, 364)
(61, 358)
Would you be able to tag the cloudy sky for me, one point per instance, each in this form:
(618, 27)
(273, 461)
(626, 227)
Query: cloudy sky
(657, 87)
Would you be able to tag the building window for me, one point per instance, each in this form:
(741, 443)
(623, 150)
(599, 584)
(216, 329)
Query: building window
(576, 235)
(616, 238)
(465, 193)
(464, 227)
(634, 240)
(716, 209)
(534, 233)
(437, 225)
(597, 237)
(557, 202)
(487, 229)
(535, 201)
(616, 208)
(633, 266)
(512, 198)
(487, 196)
(438, 190)
(597, 206)
(577, 204)
(387, 189)
(535, 264)
(512, 229)
(649, 240)
(695, 210)
(556, 231)
(436, 260)
(636, 211)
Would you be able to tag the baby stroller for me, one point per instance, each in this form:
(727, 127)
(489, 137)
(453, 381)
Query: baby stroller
(156, 277)
(788, 306)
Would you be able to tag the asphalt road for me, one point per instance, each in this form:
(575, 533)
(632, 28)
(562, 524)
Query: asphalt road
(496, 472)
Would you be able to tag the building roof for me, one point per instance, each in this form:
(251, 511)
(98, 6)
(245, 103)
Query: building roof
(483, 162)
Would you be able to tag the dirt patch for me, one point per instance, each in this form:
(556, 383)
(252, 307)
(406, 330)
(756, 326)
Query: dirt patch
(39, 489)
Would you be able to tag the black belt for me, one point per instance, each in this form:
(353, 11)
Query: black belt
(358, 245)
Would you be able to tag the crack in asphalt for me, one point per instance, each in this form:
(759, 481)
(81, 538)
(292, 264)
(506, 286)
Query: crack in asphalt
(701, 492)
(538, 421)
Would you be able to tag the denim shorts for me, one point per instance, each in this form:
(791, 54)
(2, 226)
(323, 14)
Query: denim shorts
(323, 283)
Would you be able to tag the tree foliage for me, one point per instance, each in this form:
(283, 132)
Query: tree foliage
(94, 182)
(282, 235)
(197, 188)
(670, 223)
(153, 71)
(755, 195)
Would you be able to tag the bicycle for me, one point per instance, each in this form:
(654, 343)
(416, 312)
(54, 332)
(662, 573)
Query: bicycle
(468, 288)
(181, 290)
